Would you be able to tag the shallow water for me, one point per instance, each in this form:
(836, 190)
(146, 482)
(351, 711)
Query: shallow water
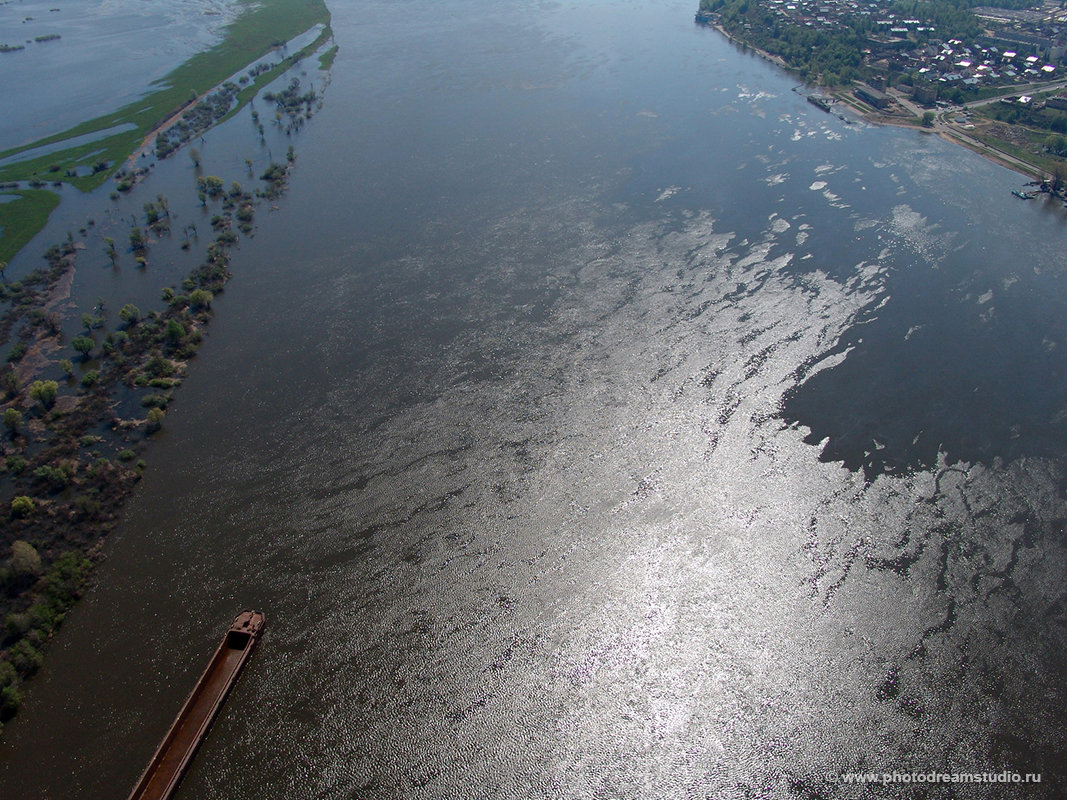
(107, 54)
(595, 417)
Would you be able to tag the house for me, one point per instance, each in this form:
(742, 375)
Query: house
(871, 95)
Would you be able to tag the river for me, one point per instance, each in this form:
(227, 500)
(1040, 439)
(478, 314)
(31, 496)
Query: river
(596, 418)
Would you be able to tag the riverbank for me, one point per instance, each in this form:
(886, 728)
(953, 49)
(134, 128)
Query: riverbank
(875, 117)
(79, 411)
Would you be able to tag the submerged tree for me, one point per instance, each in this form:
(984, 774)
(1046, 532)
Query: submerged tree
(44, 392)
(154, 420)
(129, 313)
(201, 298)
(12, 419)
(83, 344)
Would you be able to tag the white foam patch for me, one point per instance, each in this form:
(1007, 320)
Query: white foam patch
(914, 231)
(747, 94)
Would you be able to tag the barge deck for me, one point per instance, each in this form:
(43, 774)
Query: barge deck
(176, 751)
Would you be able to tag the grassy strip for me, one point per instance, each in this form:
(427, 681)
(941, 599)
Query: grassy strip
(261, 28)
(326, 59)
(20, 219)
(1043, 164)
(264, 78)
(852, 102)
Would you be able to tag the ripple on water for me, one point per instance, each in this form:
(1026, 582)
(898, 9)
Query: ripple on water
(611, 564)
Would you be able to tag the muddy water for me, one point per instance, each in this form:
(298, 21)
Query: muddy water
(595, 417)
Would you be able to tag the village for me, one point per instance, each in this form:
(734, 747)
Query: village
(991, 79)
(951, 59)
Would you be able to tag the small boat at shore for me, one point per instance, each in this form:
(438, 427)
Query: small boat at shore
(1022, 195)
(175, 753)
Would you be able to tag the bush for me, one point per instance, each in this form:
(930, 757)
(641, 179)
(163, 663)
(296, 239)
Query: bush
(22, 505)
(62, 585)
(8, 677)
(16, 625)
(25, 560)
(175, 331)
(211, 184)
(83, 344)
(87, 505)
(11, 699)
(25, 658)
(56, 477)
(155, 419)
(126, 455)
(44, 392)
(18, 350)
(201, 298)
(12, 419)
(159, 367)
(129, 313)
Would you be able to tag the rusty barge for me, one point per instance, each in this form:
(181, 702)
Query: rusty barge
(176, 751)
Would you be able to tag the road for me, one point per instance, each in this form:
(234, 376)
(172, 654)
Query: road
(945, 126)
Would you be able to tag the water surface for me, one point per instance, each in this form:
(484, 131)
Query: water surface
(594, 418)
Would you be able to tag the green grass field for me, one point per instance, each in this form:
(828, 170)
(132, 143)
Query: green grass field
(263, 25)
(22, 217)
(1033, 153)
